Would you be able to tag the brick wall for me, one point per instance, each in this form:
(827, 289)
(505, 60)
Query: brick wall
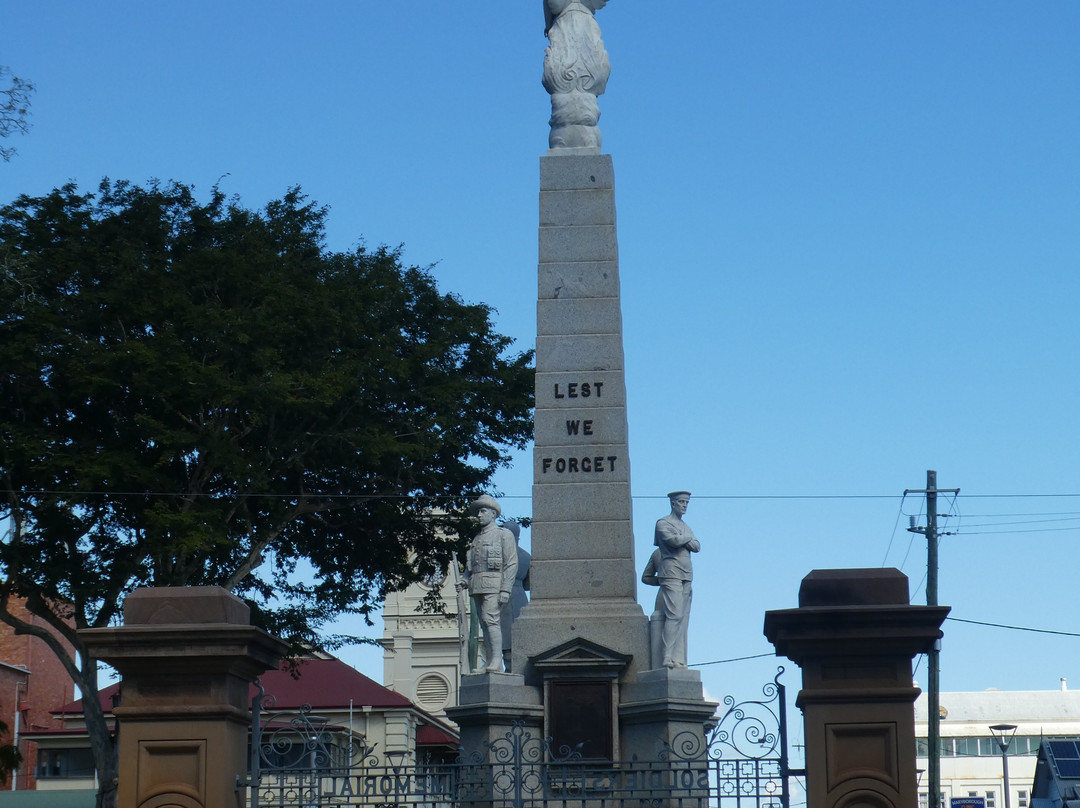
(40, 691)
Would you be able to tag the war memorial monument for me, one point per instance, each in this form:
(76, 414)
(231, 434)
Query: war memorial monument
(581, 667)
(610, 688)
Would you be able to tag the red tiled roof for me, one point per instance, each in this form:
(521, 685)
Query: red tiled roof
(322, 683)
(428, 735)
(105, 698)
(326, 683)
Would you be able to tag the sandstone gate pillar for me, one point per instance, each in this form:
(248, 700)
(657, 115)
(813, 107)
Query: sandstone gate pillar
(187, 656)
(854, 636)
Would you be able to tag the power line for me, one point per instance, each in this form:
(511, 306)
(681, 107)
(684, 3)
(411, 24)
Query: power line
(74, 492)
(202, 494)
(733, 659)
(920, 656)
(775, 496)
(1028, 522)
(1023, 513)
(892, 537)
(911, 543)
(1006, 532)
(1014, 628)
(1015, 496)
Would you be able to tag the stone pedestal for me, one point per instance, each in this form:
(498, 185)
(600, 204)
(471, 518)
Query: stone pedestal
(187, 656)
(664, 707)
(854, 636)
(490, 703)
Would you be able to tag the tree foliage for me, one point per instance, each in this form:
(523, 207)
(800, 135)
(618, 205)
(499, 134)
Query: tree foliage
(14, 107)
(203, 394)
(10, 757)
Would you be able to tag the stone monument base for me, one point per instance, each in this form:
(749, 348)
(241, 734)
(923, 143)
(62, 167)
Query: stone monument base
(545, 624)
(490, 703)
(664, 706)
(657, 709)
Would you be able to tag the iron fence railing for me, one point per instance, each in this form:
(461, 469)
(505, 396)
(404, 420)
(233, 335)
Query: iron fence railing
(302, 760)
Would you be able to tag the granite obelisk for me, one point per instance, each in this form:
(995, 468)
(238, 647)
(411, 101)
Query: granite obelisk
(584, 581)
(580, 653)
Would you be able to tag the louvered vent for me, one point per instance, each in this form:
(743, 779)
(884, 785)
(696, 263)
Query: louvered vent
(432, 691)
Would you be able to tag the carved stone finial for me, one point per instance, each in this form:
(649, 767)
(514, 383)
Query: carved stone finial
(576, 71)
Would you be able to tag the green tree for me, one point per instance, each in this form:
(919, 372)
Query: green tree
(14, 107)
(10, 758)
(203, 394)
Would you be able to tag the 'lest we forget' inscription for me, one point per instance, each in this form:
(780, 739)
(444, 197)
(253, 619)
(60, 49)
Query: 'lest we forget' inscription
(584, 463)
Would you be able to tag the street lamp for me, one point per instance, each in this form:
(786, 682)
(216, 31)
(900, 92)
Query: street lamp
(1003, 734)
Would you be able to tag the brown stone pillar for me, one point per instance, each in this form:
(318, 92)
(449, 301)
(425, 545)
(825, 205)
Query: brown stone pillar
(187, 656)
(854, 636)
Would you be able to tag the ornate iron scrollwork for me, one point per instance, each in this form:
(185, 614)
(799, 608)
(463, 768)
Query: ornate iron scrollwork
(308, 761)
(304, 740)
(753, 728)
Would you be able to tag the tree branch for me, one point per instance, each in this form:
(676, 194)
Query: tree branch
(255, 554)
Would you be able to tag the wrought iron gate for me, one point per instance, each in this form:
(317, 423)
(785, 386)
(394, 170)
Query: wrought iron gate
(301, 760)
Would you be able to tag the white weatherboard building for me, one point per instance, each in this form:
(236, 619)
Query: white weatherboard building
(422, 651)
(971, 758)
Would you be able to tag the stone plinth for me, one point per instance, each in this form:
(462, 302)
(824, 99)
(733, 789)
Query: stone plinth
(854, 636)
(490, 703)
(187, 656)
(664, 706)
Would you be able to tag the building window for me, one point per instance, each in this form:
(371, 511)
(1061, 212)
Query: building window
(61, 763)
(1021, 799)
(924, 799)
(1027, 745)
(990, 799)
(970, 746)
(967, 747)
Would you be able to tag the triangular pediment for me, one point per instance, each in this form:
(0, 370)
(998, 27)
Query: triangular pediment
(582, 655)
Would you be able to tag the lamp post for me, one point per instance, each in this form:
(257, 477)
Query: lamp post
(1003, 734)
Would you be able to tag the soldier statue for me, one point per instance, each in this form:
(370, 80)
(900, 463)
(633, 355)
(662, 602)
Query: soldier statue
(490, 568)
(675, 541)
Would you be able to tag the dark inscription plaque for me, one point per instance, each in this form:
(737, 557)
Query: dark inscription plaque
(580, 713)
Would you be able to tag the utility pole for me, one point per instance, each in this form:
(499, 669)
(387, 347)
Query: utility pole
(933, 692)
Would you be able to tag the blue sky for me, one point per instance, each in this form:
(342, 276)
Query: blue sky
(848, 239)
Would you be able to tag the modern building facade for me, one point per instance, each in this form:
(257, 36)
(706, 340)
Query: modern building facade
(971, 763)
